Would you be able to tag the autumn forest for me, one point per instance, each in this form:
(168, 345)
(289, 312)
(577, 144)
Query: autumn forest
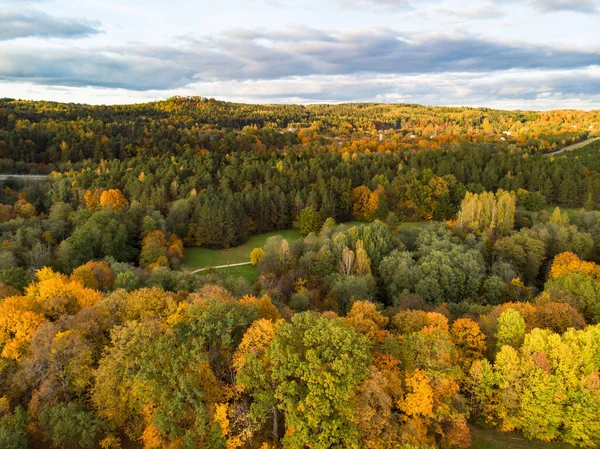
(444, 279)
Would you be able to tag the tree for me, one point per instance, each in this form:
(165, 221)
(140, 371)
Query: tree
(95, 275)
(68, 425)
(13, 430)
(510, 330)
(488, 212)
(525, 251)
(253, 366)
(255, 255)
(365, 318)
(469, 341)
(57, 295)
(113, 198)
(583, 292)
(157, 251)
(317, 363)
(18, 324)
(308, 221)
(548, 388)
(567, 263)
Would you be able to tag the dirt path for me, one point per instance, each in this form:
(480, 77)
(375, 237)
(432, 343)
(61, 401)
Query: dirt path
(221, 266)
(575, 146)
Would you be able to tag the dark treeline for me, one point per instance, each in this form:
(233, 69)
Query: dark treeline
(216, 200)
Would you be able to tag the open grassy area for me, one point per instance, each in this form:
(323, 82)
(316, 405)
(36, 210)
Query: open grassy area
(493, 439)
(205, 257)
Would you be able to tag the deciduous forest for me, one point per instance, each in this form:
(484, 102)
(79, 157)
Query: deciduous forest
(447, 278)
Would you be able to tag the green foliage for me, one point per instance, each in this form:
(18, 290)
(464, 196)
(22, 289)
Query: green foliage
(69, 425)
(18, 278)
(317, 364)
(13, 430)
(308, 221)
(581, 291)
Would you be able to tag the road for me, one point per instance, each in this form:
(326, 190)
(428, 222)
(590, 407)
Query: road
(575, 146)
(7, 176)
(221, 266)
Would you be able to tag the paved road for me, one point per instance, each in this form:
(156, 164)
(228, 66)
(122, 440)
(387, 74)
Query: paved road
(221, 266)
(6, 176)
(575, 146)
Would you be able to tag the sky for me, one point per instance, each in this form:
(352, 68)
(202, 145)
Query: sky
(508, 54)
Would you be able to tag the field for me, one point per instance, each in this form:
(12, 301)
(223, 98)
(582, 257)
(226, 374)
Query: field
(196, 258)
(492, 439)
(205, 257)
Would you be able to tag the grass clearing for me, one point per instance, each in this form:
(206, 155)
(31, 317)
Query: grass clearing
(493, 439)
(205, 257)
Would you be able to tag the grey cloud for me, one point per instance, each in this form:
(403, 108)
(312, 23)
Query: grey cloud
(18, 24)
(581, 6)
(243, 54)
(513, 89)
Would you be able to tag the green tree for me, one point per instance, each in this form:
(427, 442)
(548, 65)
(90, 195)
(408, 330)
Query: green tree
(308, 221)
(68, 425)
(317, 364)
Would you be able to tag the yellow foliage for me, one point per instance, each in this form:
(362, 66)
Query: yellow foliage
(220, 417)
(58, 294)
(113, 198)
(365, 318)
(419, 399)
(266, 309)
(469, 340)
(255, 342)
(151, 438)
(18, 323)
(92, 199)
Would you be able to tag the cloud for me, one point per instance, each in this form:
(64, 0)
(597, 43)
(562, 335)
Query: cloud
(17, 24)
(512, 89)
(480, 11)
(376, 4)
(242, 54)
(580, 6)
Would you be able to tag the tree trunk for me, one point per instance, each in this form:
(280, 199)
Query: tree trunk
(275, 425)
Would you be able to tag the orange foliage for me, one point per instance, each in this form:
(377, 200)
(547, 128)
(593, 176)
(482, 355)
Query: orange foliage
(18, 323)
(92, 199)
(365, 318)
(113, 198)
(266, 309)
(419, 399)
(568, 263)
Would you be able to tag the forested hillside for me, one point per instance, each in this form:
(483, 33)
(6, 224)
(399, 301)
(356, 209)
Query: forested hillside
(373, 334)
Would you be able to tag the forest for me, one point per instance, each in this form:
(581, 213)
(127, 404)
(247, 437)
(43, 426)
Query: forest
(364, 333)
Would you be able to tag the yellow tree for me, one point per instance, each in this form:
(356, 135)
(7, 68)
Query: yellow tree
(18, 323)
(469, 340)
(365, 318)
(113, 198)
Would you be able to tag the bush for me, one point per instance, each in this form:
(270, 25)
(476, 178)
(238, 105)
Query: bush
(299, 302)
